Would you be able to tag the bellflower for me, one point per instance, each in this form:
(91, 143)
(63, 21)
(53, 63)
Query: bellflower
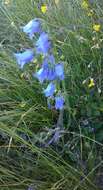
(47, 72)
(59, 102)
(51, 74)
(51, 59)
(49, 67)
(41, 75)
(24, 57)
(59, 69)
(43, 44)
(34, 26)
(49, 91)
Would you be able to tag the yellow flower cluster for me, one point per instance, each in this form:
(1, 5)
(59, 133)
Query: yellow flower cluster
(85, 5)
(44, 9)
(96, 27)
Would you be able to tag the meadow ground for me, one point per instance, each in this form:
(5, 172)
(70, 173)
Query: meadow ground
(45, 148)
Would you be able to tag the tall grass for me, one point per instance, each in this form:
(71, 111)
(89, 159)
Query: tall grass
(26, 123)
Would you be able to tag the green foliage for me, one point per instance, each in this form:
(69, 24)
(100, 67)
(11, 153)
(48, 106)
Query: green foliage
(25, 120)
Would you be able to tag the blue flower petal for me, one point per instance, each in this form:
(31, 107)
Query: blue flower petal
(51, 74)
(59, 69)
(49, 67)
(49, 91)
(59, 102)
(41, 75)
(24, 57)
(43, 44)
(51, 59)
(34, 26)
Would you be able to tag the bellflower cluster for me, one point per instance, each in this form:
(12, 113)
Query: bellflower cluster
(50, 71)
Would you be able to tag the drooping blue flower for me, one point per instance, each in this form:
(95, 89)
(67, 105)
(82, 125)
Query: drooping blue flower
(34, 26)
(59, 102)
(49, 91)
(59, 69)
(47, 71)
(49, 67)
(51, 59)
(43, 44)
(24, 57)
(51, 74)
(41, 75)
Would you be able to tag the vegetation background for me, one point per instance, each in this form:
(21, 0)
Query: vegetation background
(75, 162)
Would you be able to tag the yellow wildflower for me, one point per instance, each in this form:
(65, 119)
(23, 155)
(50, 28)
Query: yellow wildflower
(91, 83)
(85, 5)
(96, 27)
(44, 9)
(90, 13)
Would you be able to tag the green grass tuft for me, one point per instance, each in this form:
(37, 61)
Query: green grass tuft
(75, 162)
